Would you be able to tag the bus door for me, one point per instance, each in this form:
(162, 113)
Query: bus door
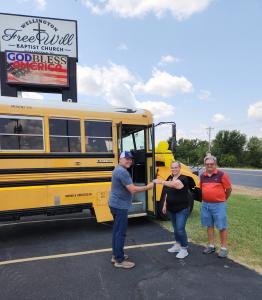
(151, 201)
(133, 138)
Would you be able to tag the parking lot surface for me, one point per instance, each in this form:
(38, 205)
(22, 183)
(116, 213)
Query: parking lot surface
(70, 259)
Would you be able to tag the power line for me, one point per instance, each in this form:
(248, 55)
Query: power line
(209, 129)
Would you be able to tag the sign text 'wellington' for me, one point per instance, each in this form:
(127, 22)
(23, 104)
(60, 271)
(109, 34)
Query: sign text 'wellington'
(37, 34)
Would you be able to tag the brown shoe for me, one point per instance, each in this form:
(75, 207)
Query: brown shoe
(124, 264)
(113, 259)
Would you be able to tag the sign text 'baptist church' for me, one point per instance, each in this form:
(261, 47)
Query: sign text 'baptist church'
(37, 34)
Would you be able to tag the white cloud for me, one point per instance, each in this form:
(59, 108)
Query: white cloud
(118, 86)
(115, 84)
(122, 47)
(112, 83)
(164, 84)
(103, 81)
(255, 111)
(204, 95)
(168, 59)
(32, 95)
(160, 109)
(218, 118)
(180, 9)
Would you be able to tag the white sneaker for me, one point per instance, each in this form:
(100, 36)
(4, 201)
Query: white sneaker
(182, 253)
(125, 264)
(174, 249)
(113, 260)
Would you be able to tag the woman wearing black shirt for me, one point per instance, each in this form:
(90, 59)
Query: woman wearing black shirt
(177, 206)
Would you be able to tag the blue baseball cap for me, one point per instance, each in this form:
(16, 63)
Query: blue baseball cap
(126, 154)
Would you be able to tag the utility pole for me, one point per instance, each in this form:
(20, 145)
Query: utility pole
(209, 129)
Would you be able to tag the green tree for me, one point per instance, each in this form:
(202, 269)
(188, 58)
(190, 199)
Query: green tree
(190, 152)
(229, 143)
(228, 160)
(254, 152)
(201, 150)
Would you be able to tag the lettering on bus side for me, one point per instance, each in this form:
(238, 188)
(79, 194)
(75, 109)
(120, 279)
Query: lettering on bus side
(104, 161)
(21, 106)
(78, 195)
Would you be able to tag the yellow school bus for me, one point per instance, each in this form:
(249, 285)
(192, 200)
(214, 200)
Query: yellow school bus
(58, 157)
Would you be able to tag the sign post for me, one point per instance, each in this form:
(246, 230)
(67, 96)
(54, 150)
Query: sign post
(38, 54)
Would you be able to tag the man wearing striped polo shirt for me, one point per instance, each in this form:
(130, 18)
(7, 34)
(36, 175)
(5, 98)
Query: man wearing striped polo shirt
(216, 189)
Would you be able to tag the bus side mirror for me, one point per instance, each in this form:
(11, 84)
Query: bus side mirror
(173, 139)
(173, 145)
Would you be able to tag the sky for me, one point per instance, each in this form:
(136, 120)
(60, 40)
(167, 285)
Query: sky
(195, 62)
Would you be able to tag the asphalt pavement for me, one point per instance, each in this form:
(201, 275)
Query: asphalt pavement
(252, 178)
(244, 177)
(55, 260)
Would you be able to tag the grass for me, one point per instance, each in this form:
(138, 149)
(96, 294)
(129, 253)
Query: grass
(244, 230)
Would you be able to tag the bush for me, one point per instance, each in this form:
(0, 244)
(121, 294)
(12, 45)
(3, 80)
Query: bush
(228, 160)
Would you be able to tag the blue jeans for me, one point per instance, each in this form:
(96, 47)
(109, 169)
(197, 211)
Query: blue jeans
(214, 214)
(119, 232)
(179, 224)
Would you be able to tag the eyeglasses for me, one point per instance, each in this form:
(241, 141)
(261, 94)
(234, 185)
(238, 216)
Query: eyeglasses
(212, 164)
(174, 168)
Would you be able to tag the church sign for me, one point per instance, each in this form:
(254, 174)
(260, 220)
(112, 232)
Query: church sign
(38, 54)
(37, 34)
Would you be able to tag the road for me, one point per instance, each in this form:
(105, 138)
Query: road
(252, 178)
(70, 259)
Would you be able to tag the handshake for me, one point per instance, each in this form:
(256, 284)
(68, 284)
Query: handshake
(151, 184)
(158, 181)
(175, 183)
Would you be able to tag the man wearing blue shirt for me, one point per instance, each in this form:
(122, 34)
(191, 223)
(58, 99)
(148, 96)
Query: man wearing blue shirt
(120, 201)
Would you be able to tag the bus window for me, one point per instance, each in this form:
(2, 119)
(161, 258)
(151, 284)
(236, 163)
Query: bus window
(140, 139)
(133, 138)
(98, 136)
(128, 143)
(150, 139)
(21, 133)
(64, 135)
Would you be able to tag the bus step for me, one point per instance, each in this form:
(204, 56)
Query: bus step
(137, 207)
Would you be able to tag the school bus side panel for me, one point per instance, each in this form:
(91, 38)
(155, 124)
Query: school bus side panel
(16, 198)
(95, 194)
